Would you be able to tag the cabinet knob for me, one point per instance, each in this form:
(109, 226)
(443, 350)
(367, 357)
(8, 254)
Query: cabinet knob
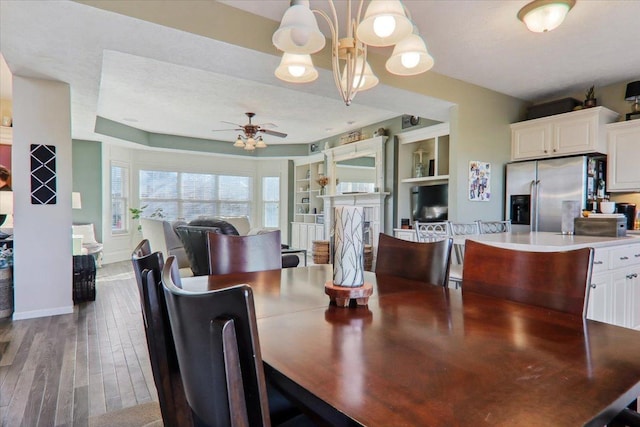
(631, 276)
(593, 285)
(554, 150)
(597, 262)
(624, 258)
(545, 151)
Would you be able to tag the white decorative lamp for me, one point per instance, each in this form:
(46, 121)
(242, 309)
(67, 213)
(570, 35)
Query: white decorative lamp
(76, 200)
(348, 259)
(6, 205)
(545, 15)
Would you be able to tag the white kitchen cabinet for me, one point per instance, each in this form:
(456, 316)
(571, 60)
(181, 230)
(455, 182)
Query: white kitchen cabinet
(303, 235)
(623, 173)
(577, 132)
(615, 286)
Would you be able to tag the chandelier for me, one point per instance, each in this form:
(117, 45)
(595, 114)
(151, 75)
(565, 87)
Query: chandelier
(385, 23)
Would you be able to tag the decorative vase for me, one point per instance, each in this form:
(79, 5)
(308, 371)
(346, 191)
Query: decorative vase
(322, 191)
(348, 262)
(592, 102)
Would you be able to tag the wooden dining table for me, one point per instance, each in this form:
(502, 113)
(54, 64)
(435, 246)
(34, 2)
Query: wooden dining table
(424, 355)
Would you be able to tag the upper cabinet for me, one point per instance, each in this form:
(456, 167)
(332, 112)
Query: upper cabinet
(577, 132)
(623, 171)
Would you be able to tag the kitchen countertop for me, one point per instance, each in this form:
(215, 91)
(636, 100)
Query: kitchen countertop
(548, 241)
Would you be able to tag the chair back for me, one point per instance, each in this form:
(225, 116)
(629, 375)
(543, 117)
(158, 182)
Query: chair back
(431, 231)
(462, 229)
(162, 354)
(244, 254)
(554, 280)
(219, 353)
(426, 262)
(491, 227)
(194, 239)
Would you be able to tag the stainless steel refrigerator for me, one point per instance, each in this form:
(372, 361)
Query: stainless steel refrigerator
(535, 190)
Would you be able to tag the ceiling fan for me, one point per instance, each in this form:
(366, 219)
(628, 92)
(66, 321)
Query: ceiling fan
(251, 140)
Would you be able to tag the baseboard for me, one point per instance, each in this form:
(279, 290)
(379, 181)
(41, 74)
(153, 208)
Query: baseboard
(42, 313)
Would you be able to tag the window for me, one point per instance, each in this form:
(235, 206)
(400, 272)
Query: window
(271, 201)
(119, 198)
(189, 195)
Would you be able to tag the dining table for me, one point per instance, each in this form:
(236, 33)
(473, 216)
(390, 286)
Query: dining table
(426, 355)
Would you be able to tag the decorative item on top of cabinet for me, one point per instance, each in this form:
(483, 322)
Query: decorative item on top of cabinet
(590, 98)
(623, 173)
(576, 132)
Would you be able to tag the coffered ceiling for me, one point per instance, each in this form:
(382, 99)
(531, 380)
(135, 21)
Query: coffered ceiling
(169, 81)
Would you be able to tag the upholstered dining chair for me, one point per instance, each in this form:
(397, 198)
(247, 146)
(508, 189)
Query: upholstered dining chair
(460, 229)
(218, 349)
(490, 227)
(147, 267)
(431, 231)
(427, 262)
(554, 280)
(243, 254)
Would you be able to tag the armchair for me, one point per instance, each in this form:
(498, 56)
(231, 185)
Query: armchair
(90, 246)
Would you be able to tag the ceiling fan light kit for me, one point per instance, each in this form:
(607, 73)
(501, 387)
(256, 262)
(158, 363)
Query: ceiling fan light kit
(385, 23)
(545, 15)
(250, 140)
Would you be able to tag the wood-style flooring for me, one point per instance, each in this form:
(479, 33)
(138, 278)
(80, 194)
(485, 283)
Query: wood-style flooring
(61, 370)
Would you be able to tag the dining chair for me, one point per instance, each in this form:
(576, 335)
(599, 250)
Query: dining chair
(460, 229)
(431, 231)
(555, 280)
(491, 227)
(243, 254)
(218, 350)
(427, 262)
(147, 267)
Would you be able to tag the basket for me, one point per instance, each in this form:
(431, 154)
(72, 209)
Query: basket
(320, 251)
(6, 293)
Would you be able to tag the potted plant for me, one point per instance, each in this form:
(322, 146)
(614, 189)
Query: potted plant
(590, 98)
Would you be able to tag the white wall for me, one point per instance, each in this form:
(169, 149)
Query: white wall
(43, 272)
(119, 247)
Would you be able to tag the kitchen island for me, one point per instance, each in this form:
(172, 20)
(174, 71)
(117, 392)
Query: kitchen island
(614, 296)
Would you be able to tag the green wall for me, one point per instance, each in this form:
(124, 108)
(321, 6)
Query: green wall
(87, 179)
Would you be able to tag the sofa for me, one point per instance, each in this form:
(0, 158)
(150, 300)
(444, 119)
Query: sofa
(162, 237)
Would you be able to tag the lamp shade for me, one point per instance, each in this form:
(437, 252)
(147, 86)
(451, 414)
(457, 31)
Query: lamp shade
(633, 91)
(384, 23)
(295, 68)
(6, 202)
(545, 15)
(76, 200)
(409, 57)
(298, 31)
(368, 81)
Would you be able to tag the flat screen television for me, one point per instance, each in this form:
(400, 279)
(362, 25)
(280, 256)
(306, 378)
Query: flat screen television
(430, 203)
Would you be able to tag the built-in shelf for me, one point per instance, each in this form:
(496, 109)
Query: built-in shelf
(426, 179)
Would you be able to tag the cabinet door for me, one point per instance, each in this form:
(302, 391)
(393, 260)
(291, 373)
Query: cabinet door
(528, 142)
(304, 237)
(575, 135)
(633, 298)
(623, 172)
(600, 298)
(295, 235)
(619, 306)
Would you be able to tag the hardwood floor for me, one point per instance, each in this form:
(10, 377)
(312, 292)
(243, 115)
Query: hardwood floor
(61, 370)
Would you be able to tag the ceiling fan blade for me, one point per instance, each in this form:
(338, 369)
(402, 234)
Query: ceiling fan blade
(224, 130)
(230, 123)
(268, 125)
(273, 133)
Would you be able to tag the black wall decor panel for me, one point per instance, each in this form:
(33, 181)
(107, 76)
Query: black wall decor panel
(43, 174)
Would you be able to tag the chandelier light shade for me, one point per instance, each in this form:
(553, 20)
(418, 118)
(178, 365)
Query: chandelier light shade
(296, 68)
(633, 95)
(298, 31)
(545, 15)
(410, 57)
(385, 23)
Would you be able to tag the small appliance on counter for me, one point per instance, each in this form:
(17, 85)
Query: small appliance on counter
(603, 225)
(629, 211)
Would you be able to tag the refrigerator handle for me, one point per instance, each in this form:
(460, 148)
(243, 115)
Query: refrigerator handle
(532, 207)
(537, 206)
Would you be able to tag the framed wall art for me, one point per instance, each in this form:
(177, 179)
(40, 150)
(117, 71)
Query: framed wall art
(479, 181)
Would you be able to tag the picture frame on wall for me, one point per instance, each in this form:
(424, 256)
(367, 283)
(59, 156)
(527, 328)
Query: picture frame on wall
(479, 181)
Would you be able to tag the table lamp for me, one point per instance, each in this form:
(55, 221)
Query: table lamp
(76, 200)
(633, 94)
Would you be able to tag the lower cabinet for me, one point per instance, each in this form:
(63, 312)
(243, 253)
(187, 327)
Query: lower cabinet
(615, 287)
(303, 234)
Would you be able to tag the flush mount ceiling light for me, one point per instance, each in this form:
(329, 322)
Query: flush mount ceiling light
(385, 23)
(545, 15)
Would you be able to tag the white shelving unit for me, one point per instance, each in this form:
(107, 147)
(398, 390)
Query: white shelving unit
(307, 224)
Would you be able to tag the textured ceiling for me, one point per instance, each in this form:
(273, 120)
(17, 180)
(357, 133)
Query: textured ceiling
(169, 81)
